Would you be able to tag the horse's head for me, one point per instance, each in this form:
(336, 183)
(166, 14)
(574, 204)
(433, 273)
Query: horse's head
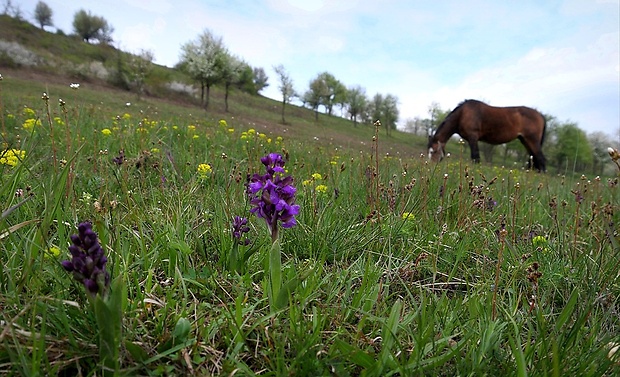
(435, 149)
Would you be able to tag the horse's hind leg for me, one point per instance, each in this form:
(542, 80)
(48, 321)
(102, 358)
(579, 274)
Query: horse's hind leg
(535, 151)
(475, 152)
(539, 161)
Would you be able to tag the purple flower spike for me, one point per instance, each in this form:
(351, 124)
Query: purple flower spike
(272, 195)
(88, 262)
(239, 228)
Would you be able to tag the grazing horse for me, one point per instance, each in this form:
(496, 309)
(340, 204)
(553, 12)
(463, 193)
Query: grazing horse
(476, 121)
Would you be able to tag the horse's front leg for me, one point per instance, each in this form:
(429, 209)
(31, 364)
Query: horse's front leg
(475, 152)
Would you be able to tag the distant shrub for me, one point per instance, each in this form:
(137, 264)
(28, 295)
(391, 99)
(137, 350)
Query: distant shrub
(180, 87)
(7, 61)
(98, 70)
(20, 55)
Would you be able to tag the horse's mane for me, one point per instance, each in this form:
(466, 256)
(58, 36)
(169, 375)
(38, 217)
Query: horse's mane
(453, 112)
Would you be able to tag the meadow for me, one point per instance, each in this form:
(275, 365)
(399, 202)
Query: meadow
(374, 264)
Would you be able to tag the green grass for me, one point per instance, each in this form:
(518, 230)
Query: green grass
(457, 287)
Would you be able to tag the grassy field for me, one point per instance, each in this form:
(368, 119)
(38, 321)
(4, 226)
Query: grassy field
(394, 266)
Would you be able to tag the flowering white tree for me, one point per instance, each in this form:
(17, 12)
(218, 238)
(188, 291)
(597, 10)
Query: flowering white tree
(204, 59)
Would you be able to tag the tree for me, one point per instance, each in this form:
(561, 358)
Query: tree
(140, 66)
(260, 79)
(285, 87)
(417, 125)
(599, 141)
(357, 102)
(230, 71)
(315, 95)
(389, 113)
(375, 107)
(203, 60)
(333, 91)
(90, 27)
(437, 114)
(43, 15)
(574, 151)
(12, 10)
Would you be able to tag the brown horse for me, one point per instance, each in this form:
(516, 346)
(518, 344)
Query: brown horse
(476, 121)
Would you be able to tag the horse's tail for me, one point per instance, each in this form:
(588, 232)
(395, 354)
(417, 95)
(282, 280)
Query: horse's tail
(542, 138)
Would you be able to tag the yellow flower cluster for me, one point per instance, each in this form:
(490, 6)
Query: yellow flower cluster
(106, 132)
(204, 170)
(28, 112)
(52, 252)
(541, 243)
(408, 216)
(248, 134)
(30, 123)
(11, 157)
(321, 189)
(223, 123)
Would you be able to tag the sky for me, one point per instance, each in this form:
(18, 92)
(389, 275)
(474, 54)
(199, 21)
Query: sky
(561, 57)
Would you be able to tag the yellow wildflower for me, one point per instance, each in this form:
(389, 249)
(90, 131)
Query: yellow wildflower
(204, 170)
(191, 128)
(317, 176)
(223, 123)
(321, 189)
(30, 123)
(126, 116)
(52, 252)
(28, 112)
(11, 157)
(106, 132)
(408, 216)
(231, 130)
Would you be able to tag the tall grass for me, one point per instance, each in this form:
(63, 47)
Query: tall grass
(409, 268)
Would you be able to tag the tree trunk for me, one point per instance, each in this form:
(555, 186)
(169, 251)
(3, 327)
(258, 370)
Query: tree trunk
(202, 93)
(207, 99)
(226, 96)
(283, 105)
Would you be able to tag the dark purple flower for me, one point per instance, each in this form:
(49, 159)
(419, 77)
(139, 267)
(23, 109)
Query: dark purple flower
(239, 228)
(88, 262)
(118, 160)
(272, 195)
(491, 204)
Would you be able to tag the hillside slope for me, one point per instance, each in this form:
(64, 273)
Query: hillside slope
(29, 54)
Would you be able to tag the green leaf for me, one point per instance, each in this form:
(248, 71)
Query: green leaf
(275, 271)
(181, 330)
(136, 352)
(354, 354)
(517, 353)
(567, 311)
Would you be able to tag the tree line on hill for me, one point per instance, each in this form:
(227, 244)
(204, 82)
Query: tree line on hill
(208, 62)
